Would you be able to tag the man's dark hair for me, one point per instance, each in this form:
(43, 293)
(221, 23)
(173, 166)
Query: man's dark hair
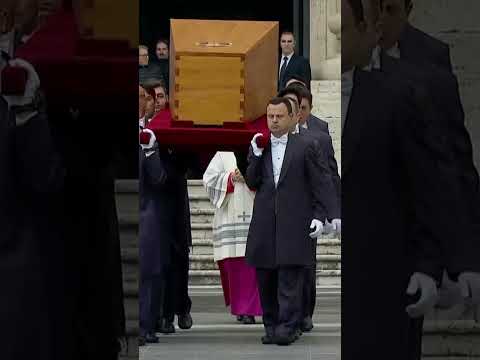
(162, 40)
(152, 85)
(296, 77)
(357, 10)
(291, 90)
(281, 100)
(287, 32)
(303, 91)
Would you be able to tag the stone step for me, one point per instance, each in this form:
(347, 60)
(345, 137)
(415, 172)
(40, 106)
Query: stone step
(205, 262)
(324, 247)
(212, 277)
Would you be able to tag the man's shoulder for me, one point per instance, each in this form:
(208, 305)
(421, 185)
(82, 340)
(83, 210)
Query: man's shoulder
(315, 122)
(426, 39)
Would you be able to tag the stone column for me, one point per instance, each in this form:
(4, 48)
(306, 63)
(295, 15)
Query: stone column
(325, 60)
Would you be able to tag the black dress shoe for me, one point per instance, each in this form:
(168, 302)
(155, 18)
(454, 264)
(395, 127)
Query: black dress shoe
(141, 341)
(268, 340)
(240, 318)
(185, 321)
(307, 324)
(151, 339)
(285, 340)
(167, 327)
(297, 334)
(248, 320)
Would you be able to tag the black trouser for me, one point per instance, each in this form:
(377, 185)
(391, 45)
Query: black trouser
(281, 297)
(310, 290)
(177, 301)
(151, 294)
(414, 332)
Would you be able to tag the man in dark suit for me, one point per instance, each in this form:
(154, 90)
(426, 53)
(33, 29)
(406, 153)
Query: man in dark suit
(156, 224)
(398, 196)
(291, 63)
(407, 54)
(290, 172)
(29, 172)
(318, 130)
(295, 93)
(415, 253)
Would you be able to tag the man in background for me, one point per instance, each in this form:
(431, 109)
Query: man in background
(291, 63)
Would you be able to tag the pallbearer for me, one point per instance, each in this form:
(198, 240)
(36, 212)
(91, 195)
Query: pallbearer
(292, 180)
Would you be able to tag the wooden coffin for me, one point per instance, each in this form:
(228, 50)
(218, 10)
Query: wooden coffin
(222, 71)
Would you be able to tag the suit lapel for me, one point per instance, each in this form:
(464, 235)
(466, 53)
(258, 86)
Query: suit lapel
(355, 120)
(267, 160)
(288, 156)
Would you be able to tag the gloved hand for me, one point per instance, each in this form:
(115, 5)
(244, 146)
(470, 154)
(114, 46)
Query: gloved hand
(151, 141)
(31, 88)
(469, 283)
(257, 151)
(337, 226)
(317, 227)
(428, 294)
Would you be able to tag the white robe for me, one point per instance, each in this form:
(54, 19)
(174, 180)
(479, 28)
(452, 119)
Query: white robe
(233, 211)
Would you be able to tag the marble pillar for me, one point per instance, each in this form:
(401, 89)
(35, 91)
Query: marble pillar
(325, 60)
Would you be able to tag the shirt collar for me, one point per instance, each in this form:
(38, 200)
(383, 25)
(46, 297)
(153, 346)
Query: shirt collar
(375, 59)
(394, 51)
(288, 56)
(347, 78)
(296, 130)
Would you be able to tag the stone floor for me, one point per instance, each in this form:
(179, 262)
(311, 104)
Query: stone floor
(216, 335)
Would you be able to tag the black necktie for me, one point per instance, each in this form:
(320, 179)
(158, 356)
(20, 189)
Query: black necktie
(282, 71)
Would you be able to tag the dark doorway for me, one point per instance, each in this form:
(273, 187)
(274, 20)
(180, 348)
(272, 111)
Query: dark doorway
(155, 15)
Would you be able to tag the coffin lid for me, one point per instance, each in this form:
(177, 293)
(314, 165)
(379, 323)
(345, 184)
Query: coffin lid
(218, 36)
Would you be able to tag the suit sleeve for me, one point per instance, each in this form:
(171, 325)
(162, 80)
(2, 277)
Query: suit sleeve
(154, 170)
(324, 204)
(253, 177)
(417, 162)
(37, 162)
(333, 167)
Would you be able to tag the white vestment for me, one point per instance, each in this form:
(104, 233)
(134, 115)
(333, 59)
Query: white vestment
(233, 211)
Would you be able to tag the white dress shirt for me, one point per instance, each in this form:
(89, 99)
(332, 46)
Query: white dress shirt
(279, 146)
(394, 52)
(289, 57)
(347, 86)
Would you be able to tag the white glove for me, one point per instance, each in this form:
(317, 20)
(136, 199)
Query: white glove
(337, 226)
(317, 227)
(428, 294)
(151, 142)
(256, 150)
(31, 88)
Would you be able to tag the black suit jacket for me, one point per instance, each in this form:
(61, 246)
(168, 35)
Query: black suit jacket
(164, 210)
(280, 226)
(316, 124)
(297, 65)
(386, 181)
(29, 171)
(432, 56)
(415, 46)
(325, 141)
